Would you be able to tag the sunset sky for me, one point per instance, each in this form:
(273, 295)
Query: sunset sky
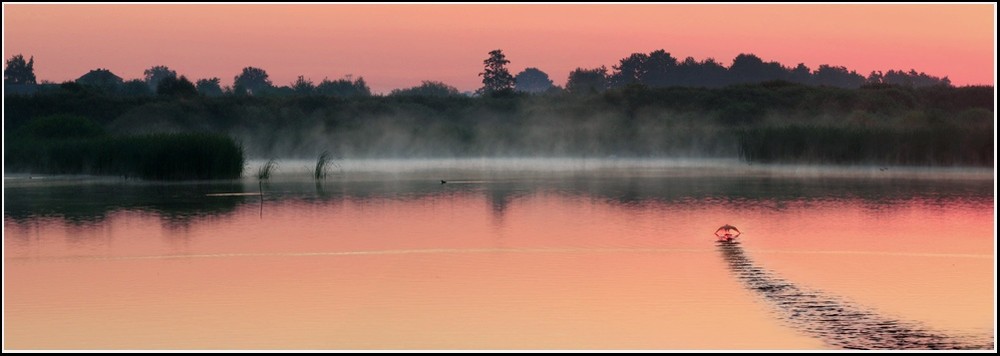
(398, 46)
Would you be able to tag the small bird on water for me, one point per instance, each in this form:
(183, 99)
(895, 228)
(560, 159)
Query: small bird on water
(443, 182)
(727, 232)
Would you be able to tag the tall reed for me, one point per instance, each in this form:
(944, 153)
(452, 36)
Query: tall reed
(321, 165)
(264, 172)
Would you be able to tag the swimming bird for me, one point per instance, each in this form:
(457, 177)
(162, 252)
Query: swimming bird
(443, 182)
(727, 232)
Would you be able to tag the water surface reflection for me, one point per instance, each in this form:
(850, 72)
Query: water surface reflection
(838, 322)
(487, 261)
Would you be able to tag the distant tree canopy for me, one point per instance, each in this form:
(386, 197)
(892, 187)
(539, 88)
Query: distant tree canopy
(659, 69)
(706, 73)
(587, 81)
(344, 88)
(102, 79)
(303, 86)
(837, 77)
(656, 69)
(496, 78)
(135, 88)
(748, 68)
(630, 70)
(909, 79)
(178, 87)
(209, 87)
(800, 74)
(427, 88)
(532, 80)
(155, 74)
(252, 81)
(18, 71)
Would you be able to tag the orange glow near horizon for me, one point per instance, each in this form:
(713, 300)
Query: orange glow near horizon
(398, 46)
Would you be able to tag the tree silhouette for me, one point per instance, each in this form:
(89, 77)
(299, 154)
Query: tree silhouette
(303, 86)
(427, 88)
(496, 78)
(655, 69)
(18, 71)
(748, 68)
(344, 88)
(177, 87)
(874, 78)
(532, 80)
(209, 87)
(251, 81)
(687, 73)
(692, 73)
(630, 70)
(155, 74)
(800, 74)
(102, 79)
(659, 69)
(837, 77)
(913, 79)
(587, 81)
(712, 74)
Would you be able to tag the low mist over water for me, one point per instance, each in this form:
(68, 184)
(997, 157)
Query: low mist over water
(292, 168)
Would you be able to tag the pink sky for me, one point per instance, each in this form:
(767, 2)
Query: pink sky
(398, 46)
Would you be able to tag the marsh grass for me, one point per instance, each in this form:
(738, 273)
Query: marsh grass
(185, 156)
(323, 163)
(264, 172)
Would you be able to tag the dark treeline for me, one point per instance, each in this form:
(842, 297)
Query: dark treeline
(656, 69)
(768, 122)
(650, 105)
(659, 69)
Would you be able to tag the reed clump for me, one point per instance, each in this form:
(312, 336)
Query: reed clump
(176, 156)
(265, 170)
(322, 165)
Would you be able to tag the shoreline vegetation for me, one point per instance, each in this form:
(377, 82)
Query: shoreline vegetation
(64, 144)
(761, 123)
(649, 106)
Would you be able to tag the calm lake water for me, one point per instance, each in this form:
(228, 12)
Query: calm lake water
(508, 254)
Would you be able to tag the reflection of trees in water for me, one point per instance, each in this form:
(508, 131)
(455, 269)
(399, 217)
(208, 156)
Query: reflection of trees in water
(499, 197)
(837, 322)
(90, 205)
(776, 193)
(180, 204)
(498, 200)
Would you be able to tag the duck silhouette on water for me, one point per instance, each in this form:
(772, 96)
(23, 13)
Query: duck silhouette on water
(727, 232)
